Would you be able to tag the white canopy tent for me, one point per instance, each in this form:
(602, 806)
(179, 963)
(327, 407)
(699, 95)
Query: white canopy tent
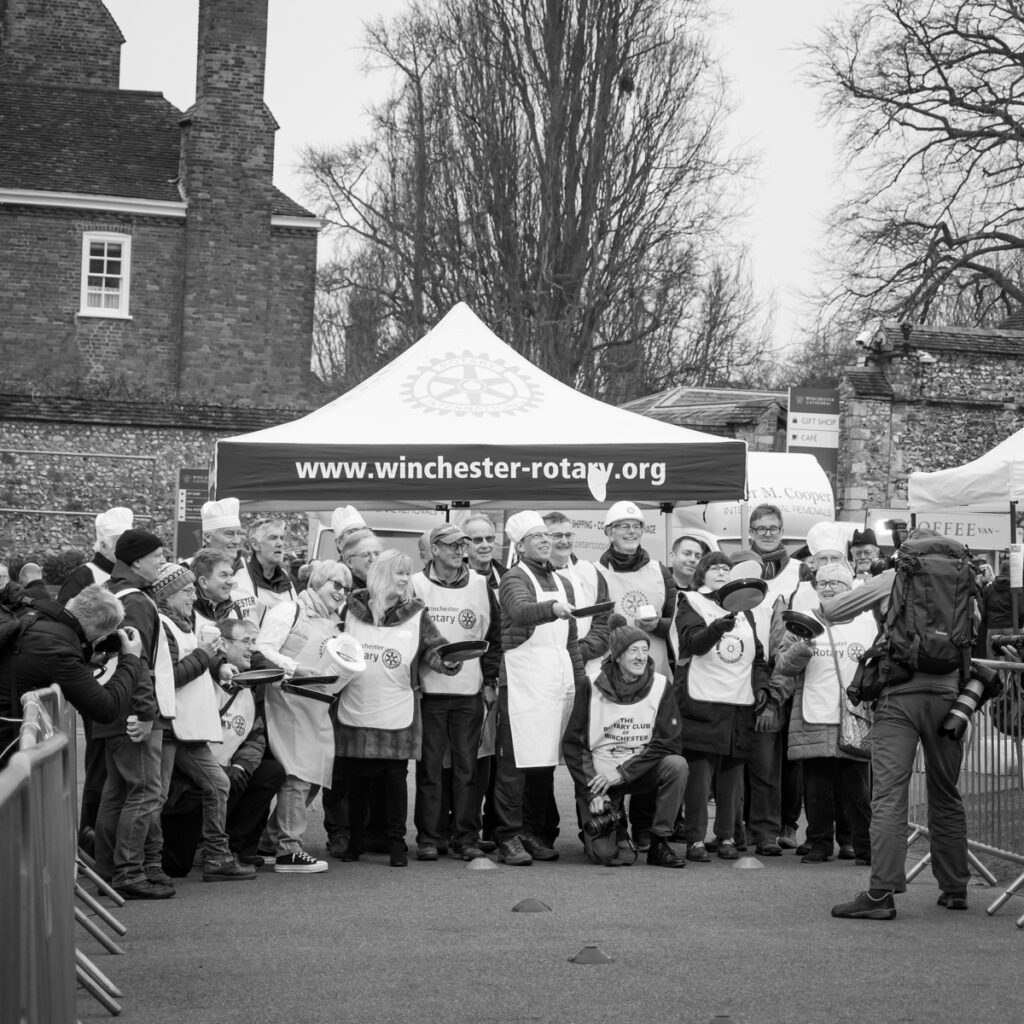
(461, 418)
(988, 484)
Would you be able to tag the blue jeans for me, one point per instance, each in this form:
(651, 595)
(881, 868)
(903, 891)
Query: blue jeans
(131, 800)
(449, 723)
(199, 765)
(901, 720)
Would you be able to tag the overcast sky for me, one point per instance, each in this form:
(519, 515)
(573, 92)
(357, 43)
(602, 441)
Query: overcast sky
(317, 90)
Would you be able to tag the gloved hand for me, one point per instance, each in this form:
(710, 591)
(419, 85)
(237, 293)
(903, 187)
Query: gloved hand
(238, 777)
(726, 624)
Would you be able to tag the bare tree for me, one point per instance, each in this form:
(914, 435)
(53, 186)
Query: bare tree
(560, 168)
(929, 94)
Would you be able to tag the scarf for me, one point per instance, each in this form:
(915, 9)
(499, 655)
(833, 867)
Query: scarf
(774, 563)
(618, 562)
(614, 685)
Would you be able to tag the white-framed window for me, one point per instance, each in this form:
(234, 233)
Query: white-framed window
(106, 274)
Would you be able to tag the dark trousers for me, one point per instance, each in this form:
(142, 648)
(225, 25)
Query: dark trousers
(450, 723)
(540, 809)
(764, 780)
(728, 775)
(664, 782)
(901, 721)
(95, 775)
(823, 776)
(363, 773)
(514, 813)
(248, 809)
(335, 802)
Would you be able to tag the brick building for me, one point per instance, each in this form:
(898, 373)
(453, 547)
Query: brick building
(156, 288)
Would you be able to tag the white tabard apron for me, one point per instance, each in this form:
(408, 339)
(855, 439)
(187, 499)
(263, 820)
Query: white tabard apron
(163, 670)
(631, 591)
(98, 575)
(620, 731)
(583, 577)
(722, 676)
(460, 613)
(382, 697)
(541, 688)
(196, 710)
(299, 728)
(237, 717)
(820, 702)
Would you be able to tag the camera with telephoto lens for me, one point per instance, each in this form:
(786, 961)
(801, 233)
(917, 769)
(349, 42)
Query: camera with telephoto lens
(898, 529)
(983, 684)
(605, 823)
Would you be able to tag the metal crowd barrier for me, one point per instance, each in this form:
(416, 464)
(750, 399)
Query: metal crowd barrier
(992, 786)
(38, 828)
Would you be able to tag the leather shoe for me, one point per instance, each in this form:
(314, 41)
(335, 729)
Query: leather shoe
(426, 851)
(769, 849)
(846, 852)
(661, 855)
(145, 890)
(727, 851)
(816, 856)
(337, 846)
(398, 856)
(468, 851)
(698, 853)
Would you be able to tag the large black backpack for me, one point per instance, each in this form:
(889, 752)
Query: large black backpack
(931, 623)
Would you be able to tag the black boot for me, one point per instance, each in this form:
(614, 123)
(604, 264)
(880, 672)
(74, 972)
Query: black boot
(662, 855)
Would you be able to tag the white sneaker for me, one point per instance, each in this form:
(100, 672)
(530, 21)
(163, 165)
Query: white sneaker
(300, 863)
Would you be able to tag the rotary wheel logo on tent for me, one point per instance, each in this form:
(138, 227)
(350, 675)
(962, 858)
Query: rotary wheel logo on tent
(391, 658)
(470, 385)
(730, 649)
(467, 618)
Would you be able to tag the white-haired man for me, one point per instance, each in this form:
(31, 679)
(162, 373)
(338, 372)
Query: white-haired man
(263, 581)
(345, 520)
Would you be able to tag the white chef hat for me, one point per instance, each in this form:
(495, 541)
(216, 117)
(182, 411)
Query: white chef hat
(112, 523)
(220, 515)
(827, 537)
(622, 510)
(345, 518)
(522, 523)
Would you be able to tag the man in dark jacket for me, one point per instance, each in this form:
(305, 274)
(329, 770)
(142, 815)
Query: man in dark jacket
(131, 795)
(622, 737)
(55, 645)
(540, 670)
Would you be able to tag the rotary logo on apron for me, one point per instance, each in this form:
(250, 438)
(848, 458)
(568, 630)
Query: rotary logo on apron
(632, 601)
(390, 658)
(236, 723)
(467, 618)
(730, 649)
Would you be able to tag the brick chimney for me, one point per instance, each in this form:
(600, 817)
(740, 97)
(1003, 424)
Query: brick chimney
(226, 174)
(73, 43)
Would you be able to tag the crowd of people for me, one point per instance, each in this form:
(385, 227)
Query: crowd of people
(222, 695)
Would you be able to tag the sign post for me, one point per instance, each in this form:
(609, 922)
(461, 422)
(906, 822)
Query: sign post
(193, 491)
(813, 427)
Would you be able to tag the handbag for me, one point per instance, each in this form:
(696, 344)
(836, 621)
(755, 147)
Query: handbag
(854, 722)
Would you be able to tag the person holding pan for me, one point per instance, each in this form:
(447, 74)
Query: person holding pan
(465, 611)
(723, 629)
(293, 636)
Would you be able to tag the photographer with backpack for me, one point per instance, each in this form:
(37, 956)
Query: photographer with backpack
(929, 602)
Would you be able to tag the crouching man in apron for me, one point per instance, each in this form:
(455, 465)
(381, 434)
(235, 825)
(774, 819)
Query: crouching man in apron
(540, 670)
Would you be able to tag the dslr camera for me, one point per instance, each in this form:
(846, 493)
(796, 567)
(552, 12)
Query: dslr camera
(1003, 640)
(605, 823)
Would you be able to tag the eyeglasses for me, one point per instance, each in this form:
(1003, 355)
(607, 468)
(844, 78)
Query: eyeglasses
(766, 531)
(562, 536)
(629, 527)
(455, 545)
(537, 536)
(340, 588)
(489, 539)
(245, 641)
(831, 585)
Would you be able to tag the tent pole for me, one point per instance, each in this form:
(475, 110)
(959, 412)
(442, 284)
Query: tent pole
(1014, 584)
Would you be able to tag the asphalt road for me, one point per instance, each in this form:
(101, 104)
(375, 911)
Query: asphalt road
(438, 942)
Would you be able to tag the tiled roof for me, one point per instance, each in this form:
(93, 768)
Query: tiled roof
(98, 142)
(868, 383)
(988, 340)
(221, 419)
(710, 409)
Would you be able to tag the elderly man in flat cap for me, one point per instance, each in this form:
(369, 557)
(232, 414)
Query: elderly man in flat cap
(540, 670)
